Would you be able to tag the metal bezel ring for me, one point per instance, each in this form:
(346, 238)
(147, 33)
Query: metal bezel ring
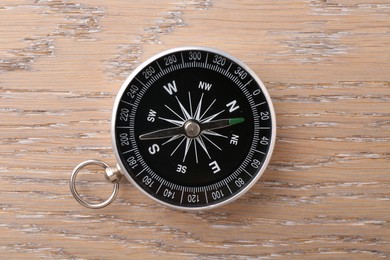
(76, 195)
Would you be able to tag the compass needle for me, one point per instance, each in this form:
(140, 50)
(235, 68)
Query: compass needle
(163, 133)
(235, 121)
(193, 128)
(175, 122)
(221, 123)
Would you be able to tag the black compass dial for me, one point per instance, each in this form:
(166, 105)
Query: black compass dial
(193, 128)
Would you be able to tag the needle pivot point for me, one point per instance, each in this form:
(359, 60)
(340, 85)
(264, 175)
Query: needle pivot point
(192, 129)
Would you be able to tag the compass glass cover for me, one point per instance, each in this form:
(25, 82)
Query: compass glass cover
(193, 128)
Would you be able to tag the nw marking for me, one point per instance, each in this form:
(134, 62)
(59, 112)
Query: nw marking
(234, 139)
(205, 85)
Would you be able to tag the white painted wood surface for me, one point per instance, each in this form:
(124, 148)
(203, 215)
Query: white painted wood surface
(326, 65)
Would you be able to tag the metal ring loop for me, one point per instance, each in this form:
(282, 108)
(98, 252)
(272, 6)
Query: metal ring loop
(76, 195)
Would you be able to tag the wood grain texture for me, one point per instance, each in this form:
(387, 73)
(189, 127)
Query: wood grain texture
(326, 64)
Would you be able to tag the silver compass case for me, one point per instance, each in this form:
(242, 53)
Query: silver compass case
(193, 128)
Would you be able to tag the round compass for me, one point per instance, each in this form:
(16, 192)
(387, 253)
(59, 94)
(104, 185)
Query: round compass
(193, 128)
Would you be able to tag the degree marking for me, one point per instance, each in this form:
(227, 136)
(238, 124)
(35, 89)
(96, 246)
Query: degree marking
(129, 151)
(247, 83)
(158, 65)
(259, 151)
(159, 188)
(127, 103)
(229, 67)
(229, 188)
(140, 82)
(262, 103)
(247, 172)
(140, 172)
(182, 193)
(124, 127)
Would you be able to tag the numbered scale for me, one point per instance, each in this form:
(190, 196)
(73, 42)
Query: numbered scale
(192, 128)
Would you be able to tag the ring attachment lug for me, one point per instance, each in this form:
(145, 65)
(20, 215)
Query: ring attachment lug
(112, 175)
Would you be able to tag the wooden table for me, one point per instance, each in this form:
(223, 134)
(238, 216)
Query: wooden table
(325, 193)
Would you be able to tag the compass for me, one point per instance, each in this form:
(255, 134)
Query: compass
(193, 128)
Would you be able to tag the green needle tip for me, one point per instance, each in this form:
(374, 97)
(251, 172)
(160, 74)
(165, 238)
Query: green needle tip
(235, 121)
